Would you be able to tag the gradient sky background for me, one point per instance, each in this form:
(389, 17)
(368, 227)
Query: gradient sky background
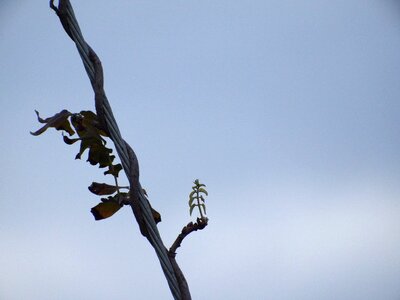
(287, 110)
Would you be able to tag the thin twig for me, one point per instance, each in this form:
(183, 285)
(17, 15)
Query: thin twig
(188, 229)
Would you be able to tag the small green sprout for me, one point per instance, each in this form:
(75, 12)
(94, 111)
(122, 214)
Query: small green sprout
(196, 198)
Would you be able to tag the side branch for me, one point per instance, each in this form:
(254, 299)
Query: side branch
(188, 229)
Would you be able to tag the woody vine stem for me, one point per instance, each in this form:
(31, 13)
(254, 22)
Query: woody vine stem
(93, 130)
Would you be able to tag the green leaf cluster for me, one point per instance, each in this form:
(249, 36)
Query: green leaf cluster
(197, 198)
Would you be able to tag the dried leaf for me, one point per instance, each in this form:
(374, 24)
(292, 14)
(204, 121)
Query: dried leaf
(59, 121)
(114, 170)
(90, 119)
(99, 154)
(69, 141)
(85, 144)
(105, 210)
(102, 188)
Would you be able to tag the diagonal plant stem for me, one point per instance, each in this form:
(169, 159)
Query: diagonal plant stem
(139, 203)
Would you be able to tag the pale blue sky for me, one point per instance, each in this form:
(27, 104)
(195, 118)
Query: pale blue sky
(287, 110)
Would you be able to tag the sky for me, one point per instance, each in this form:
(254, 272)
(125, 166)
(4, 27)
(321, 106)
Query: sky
(287, 110)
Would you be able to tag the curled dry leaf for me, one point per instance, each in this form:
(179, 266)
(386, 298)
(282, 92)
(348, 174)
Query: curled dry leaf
(59, 121)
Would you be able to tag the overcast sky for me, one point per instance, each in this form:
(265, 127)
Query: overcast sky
(287, 110)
